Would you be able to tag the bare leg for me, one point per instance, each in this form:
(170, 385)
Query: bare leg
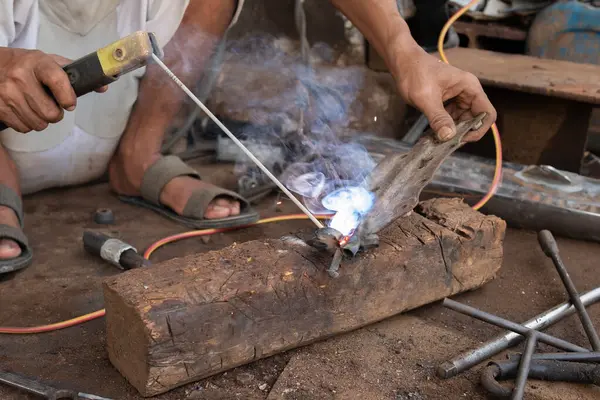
(159, 100)
(8, 176)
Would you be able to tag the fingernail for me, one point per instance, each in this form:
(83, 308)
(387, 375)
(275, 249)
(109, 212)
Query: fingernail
(70, 108)
(446, 133)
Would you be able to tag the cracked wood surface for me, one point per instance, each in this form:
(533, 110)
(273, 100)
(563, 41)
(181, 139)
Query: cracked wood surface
(188, 318)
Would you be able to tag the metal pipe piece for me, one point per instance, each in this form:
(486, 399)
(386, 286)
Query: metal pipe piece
(489, 380)
(506, 324)
(591, 357)
(238, 143)
(550, 248)
(472, 357)
(544, 370)
(524, 366)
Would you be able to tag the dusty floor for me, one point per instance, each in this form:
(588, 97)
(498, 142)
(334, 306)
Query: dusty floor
(395, 359)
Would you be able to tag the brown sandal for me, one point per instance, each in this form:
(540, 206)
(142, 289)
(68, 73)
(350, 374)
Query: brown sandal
(169, 167)
(9, 198)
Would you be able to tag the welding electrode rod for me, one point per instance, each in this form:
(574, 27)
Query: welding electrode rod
(506, 324)
(550, 248)
(238, 143)
(492, 347)
(524, 366)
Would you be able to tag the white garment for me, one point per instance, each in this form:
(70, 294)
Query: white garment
(78, 148)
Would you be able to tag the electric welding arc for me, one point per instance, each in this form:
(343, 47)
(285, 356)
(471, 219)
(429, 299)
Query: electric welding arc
(149, 251)
(237, 142)
(185, 235)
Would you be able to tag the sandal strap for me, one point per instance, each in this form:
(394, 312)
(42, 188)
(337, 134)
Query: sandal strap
(164, 170)
(16, 234)
(9, 198)
(201, 198)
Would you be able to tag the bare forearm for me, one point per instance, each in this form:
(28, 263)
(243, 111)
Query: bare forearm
(383, 26)
(159, 99)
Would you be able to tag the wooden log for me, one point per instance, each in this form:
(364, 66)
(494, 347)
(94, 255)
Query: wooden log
(188, 318)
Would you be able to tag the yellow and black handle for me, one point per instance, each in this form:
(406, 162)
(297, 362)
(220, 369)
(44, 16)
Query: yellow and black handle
(106, 65)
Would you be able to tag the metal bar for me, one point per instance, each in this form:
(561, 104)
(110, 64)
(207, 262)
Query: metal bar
(416, 131)
(238, 143)
(524, 366)
(470, 358)
(506, 324)
(550, 248)
(590, 357)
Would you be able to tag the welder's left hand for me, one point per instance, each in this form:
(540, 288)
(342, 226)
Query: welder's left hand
(427, 83)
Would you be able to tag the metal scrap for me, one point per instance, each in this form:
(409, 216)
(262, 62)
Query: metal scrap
(399, 179)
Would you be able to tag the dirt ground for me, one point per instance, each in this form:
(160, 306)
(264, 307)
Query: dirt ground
(394, 359)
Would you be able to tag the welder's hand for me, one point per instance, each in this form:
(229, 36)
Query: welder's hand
(427, 83)
(24, 104)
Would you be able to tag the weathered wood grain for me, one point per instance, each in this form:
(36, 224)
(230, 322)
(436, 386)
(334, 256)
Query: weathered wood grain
(189, 318)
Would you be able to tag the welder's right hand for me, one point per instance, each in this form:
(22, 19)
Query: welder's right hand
(24, 104)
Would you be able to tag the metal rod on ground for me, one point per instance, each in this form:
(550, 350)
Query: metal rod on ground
(550, 248)
(524, 366)
(591, 357)
(238, 143)
(506, 324)
(416, 131)
(492, 347)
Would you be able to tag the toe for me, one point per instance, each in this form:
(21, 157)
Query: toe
(215, 210)
(235, 208)
(232, 205)
(9, 249)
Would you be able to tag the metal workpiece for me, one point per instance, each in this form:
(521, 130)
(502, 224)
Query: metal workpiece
(335, 264)
(591, 357)
(398, 180)
(506, 324)
(330, 239)
(104, 216)
(470, 358)
(43, 390)
(326, 239)
(489, 380)
(550, 248)
(547, 370)
(525, 365)
(34, 387)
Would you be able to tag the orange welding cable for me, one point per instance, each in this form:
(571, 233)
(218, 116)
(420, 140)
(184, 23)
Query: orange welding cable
(153, 247)
(497, 140)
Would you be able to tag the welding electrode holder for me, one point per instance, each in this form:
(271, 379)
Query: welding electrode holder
(107, 64)
(115, 251)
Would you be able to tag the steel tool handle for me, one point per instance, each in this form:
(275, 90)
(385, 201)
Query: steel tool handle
(547, 243)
